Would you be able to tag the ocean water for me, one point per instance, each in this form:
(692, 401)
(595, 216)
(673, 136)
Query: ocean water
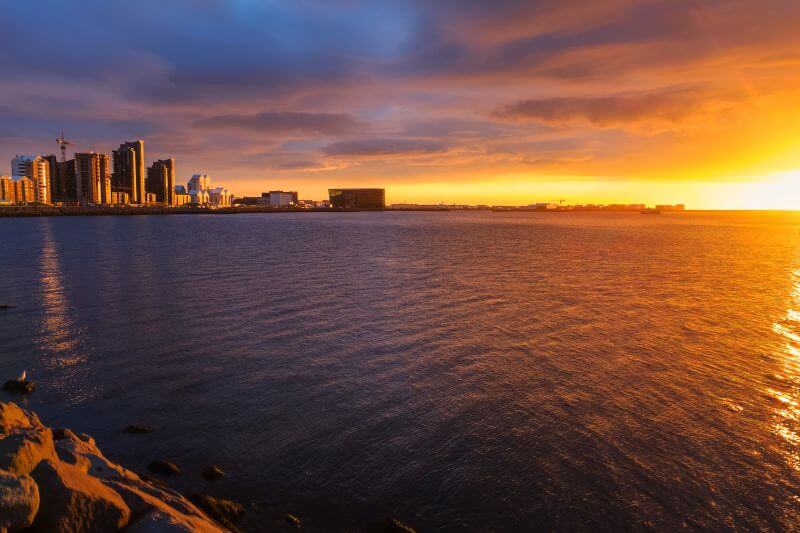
(460, 371)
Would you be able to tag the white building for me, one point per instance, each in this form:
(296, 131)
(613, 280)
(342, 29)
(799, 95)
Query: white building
(220, 197)
(37, 169)
(201, 193)
(280, 199)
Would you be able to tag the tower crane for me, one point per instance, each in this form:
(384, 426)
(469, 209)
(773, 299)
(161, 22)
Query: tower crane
(62, 142)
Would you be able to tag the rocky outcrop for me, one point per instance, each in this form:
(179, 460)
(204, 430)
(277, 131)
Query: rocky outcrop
(61, 482)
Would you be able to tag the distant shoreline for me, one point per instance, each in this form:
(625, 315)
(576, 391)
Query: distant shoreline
(13, 211)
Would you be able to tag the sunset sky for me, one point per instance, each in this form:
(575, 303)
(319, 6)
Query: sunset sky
(467, 101)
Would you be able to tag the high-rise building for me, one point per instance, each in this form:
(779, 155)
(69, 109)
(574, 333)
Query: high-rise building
(92, 178)
(161, 181)
(55, 178)
(24, 190)
(129, 174)
(37, 169)
(358, 198)
(67, 182)
(7, 193)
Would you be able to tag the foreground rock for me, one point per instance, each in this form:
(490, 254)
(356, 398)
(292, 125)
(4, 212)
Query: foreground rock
(20, 386)
(136, 429)
(213, 473)
(165, 468)
(226, 512)
(61, 482)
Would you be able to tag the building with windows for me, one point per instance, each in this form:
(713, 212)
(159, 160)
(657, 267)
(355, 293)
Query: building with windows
(92, 178)
(220, 197)
(24, 191)
(7, 193)
(129, 174)
(280, 198)
(357, 198)
(37, 169)
(161, 181)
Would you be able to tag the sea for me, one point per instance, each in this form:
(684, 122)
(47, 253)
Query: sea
(458, 371)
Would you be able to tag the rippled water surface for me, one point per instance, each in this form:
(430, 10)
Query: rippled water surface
(462, 371)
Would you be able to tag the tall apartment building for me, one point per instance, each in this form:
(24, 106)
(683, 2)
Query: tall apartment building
(92, 178)
(24, 190)
(129, 173)
(55, 177)
(161, 181)
(7, 193)
(37, 169)
(68, 188)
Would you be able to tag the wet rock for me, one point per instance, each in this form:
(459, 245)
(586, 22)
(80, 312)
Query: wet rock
(292, 520)
(137, 429)
(19, 501)
(226, 512)
(165, 468)
(392, 525)
(72, 501)
(19, 386)
(213, 473)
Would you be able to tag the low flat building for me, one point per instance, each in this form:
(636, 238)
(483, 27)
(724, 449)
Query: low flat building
(280, 198)
(358, 198)
(671, 207)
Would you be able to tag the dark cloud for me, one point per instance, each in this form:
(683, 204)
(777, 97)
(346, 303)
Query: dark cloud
(670, 107)
(384, 147)
(284, 122)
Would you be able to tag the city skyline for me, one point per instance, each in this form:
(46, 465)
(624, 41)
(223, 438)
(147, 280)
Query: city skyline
(498, 103)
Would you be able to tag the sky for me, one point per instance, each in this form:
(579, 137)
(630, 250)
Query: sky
(458, 101)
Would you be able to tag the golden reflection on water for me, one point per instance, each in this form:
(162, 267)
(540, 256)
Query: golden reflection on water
(787, 408)
(57, 335)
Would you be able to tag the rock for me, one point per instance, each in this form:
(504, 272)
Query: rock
(6, 306)
(213, 473)
(292, 520)
(164, 468)
(72, 501)
(78, 449)
(21, 451)
(164, 507)
(226, 512)
(19, 501)
(13, 418)
(19, 386)
(393, 525)
(136, 429)
(158, 522)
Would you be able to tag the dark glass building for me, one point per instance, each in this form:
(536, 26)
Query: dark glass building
(358, 198)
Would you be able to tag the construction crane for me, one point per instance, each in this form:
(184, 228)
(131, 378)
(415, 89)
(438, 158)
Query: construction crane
(62, 142)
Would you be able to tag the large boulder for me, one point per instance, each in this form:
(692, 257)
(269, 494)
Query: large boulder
(72, 501)
(12, 418)
(20, 452)
(82, 452)
(19, 501)
(153, 507)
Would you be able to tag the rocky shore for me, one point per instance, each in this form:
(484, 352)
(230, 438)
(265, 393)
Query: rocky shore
(54, 480)
(59, 481)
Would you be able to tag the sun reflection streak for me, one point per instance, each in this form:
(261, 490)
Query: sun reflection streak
(59, 338)
(787, 409)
